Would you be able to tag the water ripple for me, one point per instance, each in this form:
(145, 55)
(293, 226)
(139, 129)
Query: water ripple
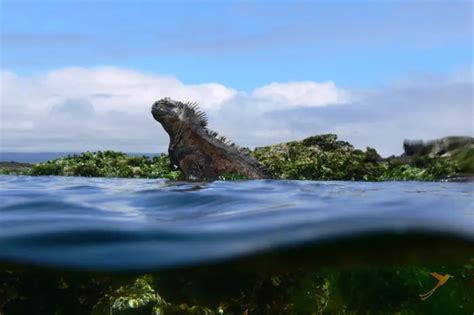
(138, 224)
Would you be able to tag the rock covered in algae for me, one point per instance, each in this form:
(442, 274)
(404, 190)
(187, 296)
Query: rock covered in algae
(136, 298)
(372, 290)
(460, 150)
(324, 157)
(320, 157)
(107, 164)
(140, 298)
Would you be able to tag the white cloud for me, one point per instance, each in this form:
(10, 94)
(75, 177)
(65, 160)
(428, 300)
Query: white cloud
(127, 89)
(77, 109)
(302, 93)
(109, 107)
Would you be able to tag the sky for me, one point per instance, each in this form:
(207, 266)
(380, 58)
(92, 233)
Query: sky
(82, 75)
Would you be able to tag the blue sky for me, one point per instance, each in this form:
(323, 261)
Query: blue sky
(241, 44)
(363, 47)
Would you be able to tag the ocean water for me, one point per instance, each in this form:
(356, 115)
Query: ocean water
(71, 245)
(137, 224)
(30, 157)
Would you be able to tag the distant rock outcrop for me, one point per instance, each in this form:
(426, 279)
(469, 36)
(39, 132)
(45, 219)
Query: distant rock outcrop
(458, 149)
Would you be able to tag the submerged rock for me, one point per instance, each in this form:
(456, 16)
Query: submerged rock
(136, 298)
(214, 291)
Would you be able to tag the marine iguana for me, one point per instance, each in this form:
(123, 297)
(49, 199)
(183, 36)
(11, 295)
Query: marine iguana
(198, 152)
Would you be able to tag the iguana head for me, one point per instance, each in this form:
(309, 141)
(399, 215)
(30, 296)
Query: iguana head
(174, 115)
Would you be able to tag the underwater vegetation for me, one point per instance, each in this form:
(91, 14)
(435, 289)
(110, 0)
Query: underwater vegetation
(320, 157)
(376, 290)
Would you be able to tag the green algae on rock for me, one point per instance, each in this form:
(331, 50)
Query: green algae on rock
(136, 298)
(13, 168)
(324, 157)
(320, 157)
(460, 150)
(374, 290)
(108, 164)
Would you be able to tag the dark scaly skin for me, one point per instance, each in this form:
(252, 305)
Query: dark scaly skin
(197, 151)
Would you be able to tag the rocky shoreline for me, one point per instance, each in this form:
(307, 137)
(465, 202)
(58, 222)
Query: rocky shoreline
(320, 157)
